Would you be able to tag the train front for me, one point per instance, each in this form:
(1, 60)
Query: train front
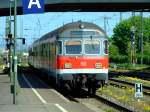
(83, 60)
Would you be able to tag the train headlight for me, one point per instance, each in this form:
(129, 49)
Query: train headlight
(68, 65)
(98, 65)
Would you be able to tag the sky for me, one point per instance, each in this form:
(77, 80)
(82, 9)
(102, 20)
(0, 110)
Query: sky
(33, 26)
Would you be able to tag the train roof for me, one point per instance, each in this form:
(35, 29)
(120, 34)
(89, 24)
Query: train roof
(71, 25)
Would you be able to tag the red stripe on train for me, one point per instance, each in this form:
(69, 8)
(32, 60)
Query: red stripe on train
(79, 62)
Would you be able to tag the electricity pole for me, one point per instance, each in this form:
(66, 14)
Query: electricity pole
(7, 41)
(14, 54)
(133, 47)
(120, 16)
(10, 49)
(105, 21)
(141, 39)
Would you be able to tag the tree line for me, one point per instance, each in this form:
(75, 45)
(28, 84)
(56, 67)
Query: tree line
(120, 42)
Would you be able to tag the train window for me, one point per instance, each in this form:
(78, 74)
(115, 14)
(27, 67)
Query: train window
(59, 47)
(41, 50)
(30, 52)
(49, 49)
(92, 47)
(38, 51)
(73, 47)
(105, 47)
(46, 49)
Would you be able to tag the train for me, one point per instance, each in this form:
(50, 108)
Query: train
(74, 56)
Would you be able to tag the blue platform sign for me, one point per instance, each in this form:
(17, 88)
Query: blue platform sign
(33, 6)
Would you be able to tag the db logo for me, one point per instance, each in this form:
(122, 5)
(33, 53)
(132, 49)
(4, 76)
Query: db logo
(83, 63)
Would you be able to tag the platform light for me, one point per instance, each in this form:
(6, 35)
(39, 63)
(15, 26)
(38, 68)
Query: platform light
(82, 26)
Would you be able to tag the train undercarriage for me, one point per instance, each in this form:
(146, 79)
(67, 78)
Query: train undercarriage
(80, 81)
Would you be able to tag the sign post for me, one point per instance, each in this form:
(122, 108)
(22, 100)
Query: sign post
(138, 91)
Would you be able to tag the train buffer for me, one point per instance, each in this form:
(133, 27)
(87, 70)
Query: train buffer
(35, 96)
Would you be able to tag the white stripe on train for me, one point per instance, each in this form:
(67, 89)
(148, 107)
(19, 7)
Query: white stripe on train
(61, 71)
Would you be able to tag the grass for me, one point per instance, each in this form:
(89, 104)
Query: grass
(127, 66)
(110, 110)
(126, 97)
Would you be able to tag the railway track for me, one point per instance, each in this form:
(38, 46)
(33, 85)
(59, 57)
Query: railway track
(141, 75)
(121, 83)
(117, 105)
(105, 100)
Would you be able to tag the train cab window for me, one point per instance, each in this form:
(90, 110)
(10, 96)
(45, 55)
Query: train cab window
(59, 47)
(73, 47)
(105, 44)
(92, 47)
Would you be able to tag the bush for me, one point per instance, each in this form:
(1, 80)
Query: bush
(126, 59)
(119, 59)
(146, 59)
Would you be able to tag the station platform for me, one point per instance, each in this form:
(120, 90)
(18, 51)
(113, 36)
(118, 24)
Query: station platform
(36, 96)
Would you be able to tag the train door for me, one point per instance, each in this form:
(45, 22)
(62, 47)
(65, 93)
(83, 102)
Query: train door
(42, 50)
(58, 49)
(55, 61)
(44, 55)
(48, 57)
(35, 57)
(40, 61)
(105, 47)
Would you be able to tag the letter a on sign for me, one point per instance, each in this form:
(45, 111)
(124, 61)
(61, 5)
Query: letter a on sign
(33, 6)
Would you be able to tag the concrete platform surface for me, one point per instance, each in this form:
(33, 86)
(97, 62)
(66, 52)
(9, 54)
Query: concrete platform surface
(35, 96)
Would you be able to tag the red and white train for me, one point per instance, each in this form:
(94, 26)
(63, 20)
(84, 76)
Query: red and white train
(75, 55)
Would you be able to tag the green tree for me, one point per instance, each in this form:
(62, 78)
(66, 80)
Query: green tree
(113, 49)
(146, 49)
(122, 33)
